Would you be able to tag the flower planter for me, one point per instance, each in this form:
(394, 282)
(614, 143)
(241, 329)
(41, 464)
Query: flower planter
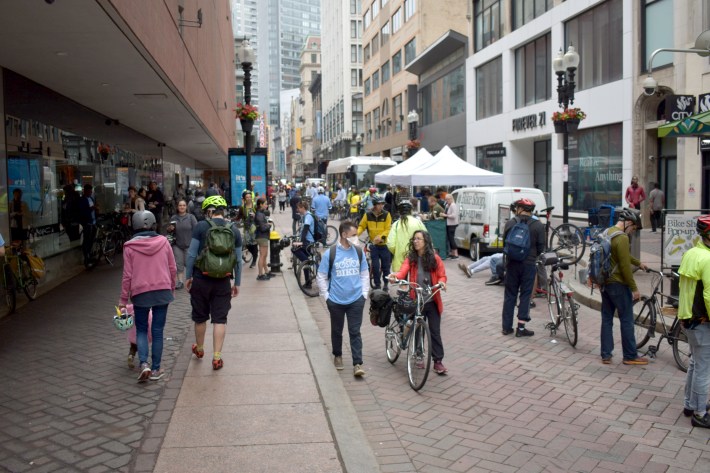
(247, 125)
(560, 127)
(572, 124)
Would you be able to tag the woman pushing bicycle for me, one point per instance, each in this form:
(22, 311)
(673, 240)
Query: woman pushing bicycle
(423, 266)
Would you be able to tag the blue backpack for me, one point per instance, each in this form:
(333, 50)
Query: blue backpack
(600, 258)
(517, 241)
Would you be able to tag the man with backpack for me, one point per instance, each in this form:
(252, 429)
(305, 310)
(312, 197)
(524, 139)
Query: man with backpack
(343, 281)
(213, 260)
(378, 223)
(524, 240)
(618, 287)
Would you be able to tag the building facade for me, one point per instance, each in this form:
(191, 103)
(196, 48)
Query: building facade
(112, 106)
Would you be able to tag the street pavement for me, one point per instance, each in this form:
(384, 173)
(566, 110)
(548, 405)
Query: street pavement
(69, 403)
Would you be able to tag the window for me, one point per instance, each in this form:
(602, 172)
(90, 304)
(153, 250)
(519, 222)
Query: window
(397, 62)
(444, 98)
(367, 53)
(657, 32)
(542, 152)
(376, 122)
(598, 34)
(488, 21)
(489, 89)
(375, 44)
(367, 19)
(396, 20)
(375, 8)
(489, 163)
(368, 127)
(386, 120)
(355, 7)
(397, 109)
(533, 72)
(595, 167)
(353, 77)
(353, 29)
(314, 58)
(706, 15)
(410, 7)
(367, 87)
(385, 72)
(375, 80)
(525, 11)
(353, 53)
(410, 51)
(385, 34)
(357, 116)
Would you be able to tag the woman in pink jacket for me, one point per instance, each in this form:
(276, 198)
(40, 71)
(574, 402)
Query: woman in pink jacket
(149, 282)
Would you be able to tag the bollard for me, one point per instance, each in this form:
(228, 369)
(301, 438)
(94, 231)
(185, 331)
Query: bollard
(275, 251)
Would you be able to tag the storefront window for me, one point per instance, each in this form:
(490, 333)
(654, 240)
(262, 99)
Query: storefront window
(595, 167)
(490, 163)
(444, 97)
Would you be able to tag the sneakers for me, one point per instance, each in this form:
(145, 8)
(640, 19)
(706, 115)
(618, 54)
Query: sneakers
(358, 371)
(606, 361)
(420, 365)
(689, 412)
(338, 362)
(641, 360)
(262, 277)
(131, 361)
(439, 368)
(523, 332)
(465, 270)
(198, 353)
(155, 375)
(703, 421)
(217, 364)
(532, 304)
(179, 285)
(493, 281)
(145, 373)
(507, 331)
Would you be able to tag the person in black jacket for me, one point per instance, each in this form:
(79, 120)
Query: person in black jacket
(520, 275)
(155, 202)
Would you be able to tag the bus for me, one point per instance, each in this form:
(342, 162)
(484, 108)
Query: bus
(358, 171)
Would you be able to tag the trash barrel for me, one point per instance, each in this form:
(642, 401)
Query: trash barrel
(275, 252)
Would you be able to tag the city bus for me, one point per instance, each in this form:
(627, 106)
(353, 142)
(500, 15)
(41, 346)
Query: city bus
(358, 171)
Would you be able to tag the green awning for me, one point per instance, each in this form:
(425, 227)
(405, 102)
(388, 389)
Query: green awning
(694, 125)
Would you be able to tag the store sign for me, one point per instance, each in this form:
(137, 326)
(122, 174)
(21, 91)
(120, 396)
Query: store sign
(679, 107)
(529, 122)
(704, 103)
(497, 152)
(679, 235)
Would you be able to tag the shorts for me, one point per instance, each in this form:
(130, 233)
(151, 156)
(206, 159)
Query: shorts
(262, 241)
(180, 255)
(211, 299)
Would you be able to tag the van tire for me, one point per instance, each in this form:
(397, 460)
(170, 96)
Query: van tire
(473, 249)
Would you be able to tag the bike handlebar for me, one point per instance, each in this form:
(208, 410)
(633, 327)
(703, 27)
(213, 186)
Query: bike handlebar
(672, 275)
(413, 285)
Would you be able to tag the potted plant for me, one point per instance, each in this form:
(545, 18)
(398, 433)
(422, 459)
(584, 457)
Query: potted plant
(104, 151)
(246, 113)
(574, 116)
(559, 119)
(414, 144)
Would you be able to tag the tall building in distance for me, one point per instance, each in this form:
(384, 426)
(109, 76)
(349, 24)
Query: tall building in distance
(342, 79)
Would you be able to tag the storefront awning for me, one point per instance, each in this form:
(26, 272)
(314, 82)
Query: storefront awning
(694, 125)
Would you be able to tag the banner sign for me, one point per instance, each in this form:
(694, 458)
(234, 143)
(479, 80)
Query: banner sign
(679, 107)
(238, 173)
(679, 236)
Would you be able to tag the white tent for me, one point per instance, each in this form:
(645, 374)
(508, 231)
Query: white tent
(400, 173)
(444, 169)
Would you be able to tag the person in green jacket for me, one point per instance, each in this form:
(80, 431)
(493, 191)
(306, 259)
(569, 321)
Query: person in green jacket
(401, 233)
(693, 310)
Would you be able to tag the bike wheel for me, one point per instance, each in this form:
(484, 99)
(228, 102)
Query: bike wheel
(644, 320)
(681, 348)
(9, 299)
(568, 242)
(306, 277)
(392, 335)
(419, 355)
(569, 318)
(332, 235)
(30, 287)
(109, 249)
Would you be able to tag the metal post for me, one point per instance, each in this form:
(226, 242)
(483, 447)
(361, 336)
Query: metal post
(565, 181)
(247, 135)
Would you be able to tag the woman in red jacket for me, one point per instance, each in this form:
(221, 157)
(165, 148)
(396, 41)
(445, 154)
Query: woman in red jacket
(421, 254)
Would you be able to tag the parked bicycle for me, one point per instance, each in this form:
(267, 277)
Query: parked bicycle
(409, 330)
(16, 274)
(560, 303)
(567, 240)
(306, 261)
(106, 241)
(649, 319)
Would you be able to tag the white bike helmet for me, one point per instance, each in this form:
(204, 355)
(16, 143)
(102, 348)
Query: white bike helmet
(123, 321)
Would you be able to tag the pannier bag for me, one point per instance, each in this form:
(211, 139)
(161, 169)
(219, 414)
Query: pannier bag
(380, 308)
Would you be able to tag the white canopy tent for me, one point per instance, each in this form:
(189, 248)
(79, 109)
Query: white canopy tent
(444, 169)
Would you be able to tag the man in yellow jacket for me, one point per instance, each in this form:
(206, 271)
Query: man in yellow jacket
(693, 310)
(378, 223)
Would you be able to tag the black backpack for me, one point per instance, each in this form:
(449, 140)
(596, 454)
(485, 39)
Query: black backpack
(380, 308)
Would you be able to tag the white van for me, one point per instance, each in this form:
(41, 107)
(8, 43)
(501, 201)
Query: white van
(483, 212)
(315, 180)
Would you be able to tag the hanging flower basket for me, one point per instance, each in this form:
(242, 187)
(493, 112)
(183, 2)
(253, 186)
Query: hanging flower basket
(560, 126)
(568, 120)
(572, 124)
(246, 111)
(247, 125)
(104, 151)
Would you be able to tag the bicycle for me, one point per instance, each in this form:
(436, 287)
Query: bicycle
(561, 296)
(409, 330)
(307, 270)
(105, 242)
(646, 313)
(567, 240)
(17, 274)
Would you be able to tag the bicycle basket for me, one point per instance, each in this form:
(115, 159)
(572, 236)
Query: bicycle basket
(380, 308)
(405, 305)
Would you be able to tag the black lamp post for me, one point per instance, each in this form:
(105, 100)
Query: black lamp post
(246, 55)
(565, 66)
(358, 143)
(412, 119)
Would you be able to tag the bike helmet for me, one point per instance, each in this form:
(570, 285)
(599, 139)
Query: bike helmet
(143, 220)
(525, 205)
(630, 215)
(123, 321)
(404, 207)
(377, 200)
(703, 226)
(214, 201)
(373, 190)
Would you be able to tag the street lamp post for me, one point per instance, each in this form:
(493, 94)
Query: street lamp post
(246, 56)
(565, 66)
(358, 143)
(413, 120)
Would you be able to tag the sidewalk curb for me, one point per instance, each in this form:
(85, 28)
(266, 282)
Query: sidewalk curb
(351, 442)
(583, 296)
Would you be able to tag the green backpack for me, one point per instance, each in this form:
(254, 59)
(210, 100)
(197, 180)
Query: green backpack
(217, 259)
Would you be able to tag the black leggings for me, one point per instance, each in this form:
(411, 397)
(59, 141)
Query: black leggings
(450, 230)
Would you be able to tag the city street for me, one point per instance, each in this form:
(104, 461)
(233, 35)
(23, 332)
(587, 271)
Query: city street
(507, 404)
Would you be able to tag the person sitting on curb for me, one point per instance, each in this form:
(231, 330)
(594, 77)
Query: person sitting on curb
(493, 262)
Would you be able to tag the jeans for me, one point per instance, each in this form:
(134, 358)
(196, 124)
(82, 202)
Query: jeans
(697, 381)
(338, 312)
(655, 219)
(89, 235)
(381, 262)
(160, 313)
(433, 317)
(618, 297)
(519, 278)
